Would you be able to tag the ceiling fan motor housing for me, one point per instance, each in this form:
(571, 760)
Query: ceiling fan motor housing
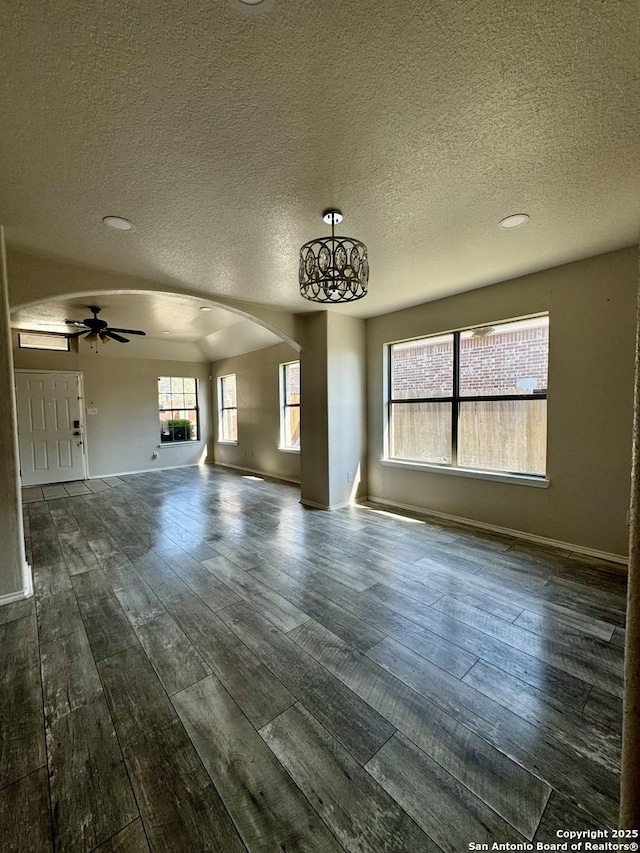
(95, 327)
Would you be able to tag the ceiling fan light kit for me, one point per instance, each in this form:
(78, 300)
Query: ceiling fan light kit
(333, 269)
(95, 330)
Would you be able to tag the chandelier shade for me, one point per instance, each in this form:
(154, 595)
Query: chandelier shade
(333, 269)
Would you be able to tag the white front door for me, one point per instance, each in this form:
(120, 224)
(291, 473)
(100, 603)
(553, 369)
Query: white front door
(49, 427)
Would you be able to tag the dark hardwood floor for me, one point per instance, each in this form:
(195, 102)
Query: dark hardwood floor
(209, 666)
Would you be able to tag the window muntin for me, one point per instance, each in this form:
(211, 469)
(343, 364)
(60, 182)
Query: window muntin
(290, 406)
(179, 411)
(495, 416)
(227, 408)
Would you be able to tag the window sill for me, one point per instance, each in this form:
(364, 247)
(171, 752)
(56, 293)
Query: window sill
(179, 443)
(289, 449)
(230, 443)
(495, 476)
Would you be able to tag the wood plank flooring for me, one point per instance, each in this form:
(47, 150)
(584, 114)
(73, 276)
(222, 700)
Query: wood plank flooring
(209, 666)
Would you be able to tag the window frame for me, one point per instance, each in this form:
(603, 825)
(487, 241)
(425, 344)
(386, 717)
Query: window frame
(456, 400)
(284, 405)
(222, 408)
(57, 336)
(172, 442)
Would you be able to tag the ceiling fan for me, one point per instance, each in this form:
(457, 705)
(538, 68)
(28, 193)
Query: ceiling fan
(95, 329)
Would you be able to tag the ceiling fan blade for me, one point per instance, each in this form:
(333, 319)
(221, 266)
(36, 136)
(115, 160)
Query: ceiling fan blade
(110, 334)
(127, 331)
(74, 323)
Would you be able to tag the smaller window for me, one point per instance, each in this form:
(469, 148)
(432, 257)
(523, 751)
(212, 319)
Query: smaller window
(179, 412)
(43, 340)
(227, 408)
(290, 406)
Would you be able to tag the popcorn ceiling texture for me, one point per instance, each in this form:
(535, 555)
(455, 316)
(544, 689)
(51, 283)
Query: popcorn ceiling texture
(223, 136)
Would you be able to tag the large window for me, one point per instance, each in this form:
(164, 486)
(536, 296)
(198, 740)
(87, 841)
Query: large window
(227, 409)
(472, 399)
(290, 406)
(178, 404)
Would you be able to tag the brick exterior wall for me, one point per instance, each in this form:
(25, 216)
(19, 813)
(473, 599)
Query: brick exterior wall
(511, 362)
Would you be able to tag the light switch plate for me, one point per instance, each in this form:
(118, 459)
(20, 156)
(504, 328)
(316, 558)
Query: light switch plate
(92, 411)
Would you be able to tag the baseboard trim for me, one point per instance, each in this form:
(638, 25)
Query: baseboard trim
(343, 505)
(257, 471)
(25, 592)
(313, 504)
(507, 531)
(142, 471)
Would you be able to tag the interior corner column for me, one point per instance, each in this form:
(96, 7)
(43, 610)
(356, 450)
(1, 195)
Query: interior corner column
(314, 414)
(15, 574)
(333, 411)
(630, 776)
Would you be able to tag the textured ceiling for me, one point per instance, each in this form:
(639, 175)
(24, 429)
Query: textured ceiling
(223, 136)
(213, 334)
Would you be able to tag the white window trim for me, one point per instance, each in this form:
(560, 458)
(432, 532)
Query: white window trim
(282, 447)
(495, 476)
(232, 442)
(196, 409)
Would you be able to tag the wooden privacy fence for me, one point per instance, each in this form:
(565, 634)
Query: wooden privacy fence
(500, 435)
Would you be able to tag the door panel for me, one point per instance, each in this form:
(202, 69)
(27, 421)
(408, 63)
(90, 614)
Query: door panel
(39, 456)
(50, 450)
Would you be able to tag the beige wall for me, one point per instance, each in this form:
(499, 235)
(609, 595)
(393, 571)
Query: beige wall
(334, 414)
(591, 365)
(258, 391)
(124, 434)
(346, 393)
(15, 574)
(591, 305)
(314, 464)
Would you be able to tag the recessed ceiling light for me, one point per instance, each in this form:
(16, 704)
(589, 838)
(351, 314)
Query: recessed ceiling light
(514, 221)
(166, 333)
(251, 7)
(118, 223)
(205, 308)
